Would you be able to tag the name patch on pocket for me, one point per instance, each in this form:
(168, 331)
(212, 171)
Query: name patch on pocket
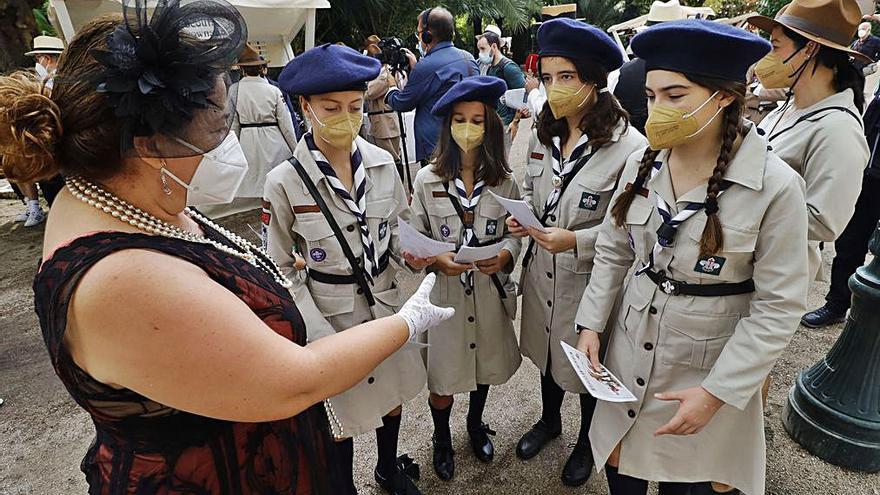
(710, 265)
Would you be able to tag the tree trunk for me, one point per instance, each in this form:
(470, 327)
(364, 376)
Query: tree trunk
(16, 32)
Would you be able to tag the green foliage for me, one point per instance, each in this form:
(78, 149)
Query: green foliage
(44, 27)
(771, 7)
(732, 8)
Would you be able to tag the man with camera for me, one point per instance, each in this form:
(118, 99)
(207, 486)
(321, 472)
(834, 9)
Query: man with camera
(441, 66)
(384, 125)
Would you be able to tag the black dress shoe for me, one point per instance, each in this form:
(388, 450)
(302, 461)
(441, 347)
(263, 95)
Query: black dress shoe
(535, 439)
(481, 443)
(578, 466)
(823, 317)
(400, 482)
(444, 462)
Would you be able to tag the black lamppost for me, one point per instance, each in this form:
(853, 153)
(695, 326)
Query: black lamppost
(833, 409)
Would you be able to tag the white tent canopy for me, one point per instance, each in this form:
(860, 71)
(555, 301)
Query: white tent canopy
(272, 24)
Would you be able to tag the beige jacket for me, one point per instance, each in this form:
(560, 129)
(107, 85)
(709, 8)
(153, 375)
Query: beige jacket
(552, 285)
(830, 152)
(727, 345)
(295, 224)
(383, 125)
(477, 346)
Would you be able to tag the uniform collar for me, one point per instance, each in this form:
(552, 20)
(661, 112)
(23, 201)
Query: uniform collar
(369, 159)
(439, 46)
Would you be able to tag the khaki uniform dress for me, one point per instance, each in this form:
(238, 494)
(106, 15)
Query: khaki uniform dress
(477, 346)
(830, 152)
(295, 224)
(384, 127)
(552, 285)
(727, 345)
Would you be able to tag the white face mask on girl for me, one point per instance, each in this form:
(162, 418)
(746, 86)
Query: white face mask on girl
(218, 175)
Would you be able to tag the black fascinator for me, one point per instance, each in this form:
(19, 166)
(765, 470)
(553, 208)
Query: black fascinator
(166, 73)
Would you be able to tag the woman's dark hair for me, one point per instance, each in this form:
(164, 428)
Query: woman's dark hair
(252, 70)
(712, 239)
(846, 75)
(600, 120)
(492, 164)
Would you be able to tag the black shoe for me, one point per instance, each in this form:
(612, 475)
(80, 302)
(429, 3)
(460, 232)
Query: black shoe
(578, 466)
(535, 439)
(400, 482)
(481, 443)
(705, 488)
(823, 317)
(444, 462)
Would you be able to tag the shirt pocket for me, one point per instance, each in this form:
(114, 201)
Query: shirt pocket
(590, 201)
(321, 249)
(641, 239)
(379, 214)
(734, 263)
(490, 223)
(445, 224)
(632, 311)
(694, 340)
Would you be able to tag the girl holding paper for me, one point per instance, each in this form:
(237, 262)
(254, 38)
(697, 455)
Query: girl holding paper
(454, 201)
(576, 154)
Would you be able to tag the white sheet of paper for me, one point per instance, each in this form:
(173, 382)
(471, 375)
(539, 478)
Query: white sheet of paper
(521, 211)
(515, 98)
(601, 383)
(468, 254)
(417, 244)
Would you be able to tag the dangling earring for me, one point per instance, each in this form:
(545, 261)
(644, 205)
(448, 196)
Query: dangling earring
(166, 188)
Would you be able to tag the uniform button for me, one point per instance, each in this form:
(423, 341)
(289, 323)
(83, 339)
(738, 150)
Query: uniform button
(653, 310)
(549, 275)
(640, 382)
(471, 319)
(473, 346)
(360, 291)
(649, 346)
(371, 380)
(467, 292)
(661, 273)
(549, 304)
(350, 228)
(553, 217)
(631, 413)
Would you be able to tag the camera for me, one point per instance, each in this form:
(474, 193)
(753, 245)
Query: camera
(393, 54)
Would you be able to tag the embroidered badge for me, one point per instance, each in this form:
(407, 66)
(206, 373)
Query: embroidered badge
(266, 213)
(710, 265)
(444, 230)
(491, 227)
(537, 156)
(318, 254)
(589, 201)
(383, 230)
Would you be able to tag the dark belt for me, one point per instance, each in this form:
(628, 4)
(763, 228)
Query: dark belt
(329, 278)
(676, 288)
(263, 124)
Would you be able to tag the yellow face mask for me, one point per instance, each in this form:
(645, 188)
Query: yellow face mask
(669, 127)
(467, 136)
(566, 100)
(776, 73)
(339, 130)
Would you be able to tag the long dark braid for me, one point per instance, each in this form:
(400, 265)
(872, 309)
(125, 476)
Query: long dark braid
(712, 239)
(623, 202)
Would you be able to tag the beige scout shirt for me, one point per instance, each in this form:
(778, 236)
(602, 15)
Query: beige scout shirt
(477, 346)
(727, 345)
(830, 152)
(382, 125)
(295, 224)
(552, 285)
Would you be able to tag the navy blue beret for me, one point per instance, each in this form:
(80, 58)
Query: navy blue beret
(701, 48)
(328, 68)
(578, 40)
(477, 88)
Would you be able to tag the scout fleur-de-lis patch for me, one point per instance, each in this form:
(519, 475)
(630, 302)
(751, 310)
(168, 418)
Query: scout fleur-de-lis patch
(383, 230)
(710, 265)
(589, 201)
(318, 254)
(444, 230)
(491, 227)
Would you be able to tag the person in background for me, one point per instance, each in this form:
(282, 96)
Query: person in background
(760, 101)
(384, 124)
(493, 63)
(868, 45)
(441, 66)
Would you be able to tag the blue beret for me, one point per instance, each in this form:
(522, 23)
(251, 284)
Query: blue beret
(701, 48)
(477, 88)
(578, 40)
(328, 68)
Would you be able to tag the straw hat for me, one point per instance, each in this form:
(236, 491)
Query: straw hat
(666, 11)
(47, 44)
(830, 23)
(250, 57)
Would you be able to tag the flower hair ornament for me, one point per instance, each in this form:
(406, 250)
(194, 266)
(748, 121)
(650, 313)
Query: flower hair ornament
(162, 67)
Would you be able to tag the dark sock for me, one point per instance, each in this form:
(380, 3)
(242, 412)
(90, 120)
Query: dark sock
(551, 401)
(621, 484)
(441, 423)
(671, 488)
(386, 441)
(588, 405)
(345, 458)
(476, 406)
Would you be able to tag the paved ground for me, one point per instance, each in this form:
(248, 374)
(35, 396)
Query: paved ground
(43, 435)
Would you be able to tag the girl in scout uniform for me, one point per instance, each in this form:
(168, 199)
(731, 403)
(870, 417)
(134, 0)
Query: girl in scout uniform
(339, 193)
(715, 225)
(818, 131)
(576, 155)
(453, 202)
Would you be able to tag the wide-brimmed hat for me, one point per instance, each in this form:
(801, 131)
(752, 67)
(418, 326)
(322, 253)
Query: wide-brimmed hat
(47, 44)
(250, 57)
(666, 11)
(831, 23)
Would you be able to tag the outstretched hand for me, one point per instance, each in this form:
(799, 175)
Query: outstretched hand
(418, 311)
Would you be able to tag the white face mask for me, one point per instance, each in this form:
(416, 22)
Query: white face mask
(862, 33)
(218, 175)
(486, 57)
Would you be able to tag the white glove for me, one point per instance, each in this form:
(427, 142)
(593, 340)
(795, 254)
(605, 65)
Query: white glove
(418, 312)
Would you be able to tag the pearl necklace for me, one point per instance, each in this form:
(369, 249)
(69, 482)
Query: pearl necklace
(103, 200)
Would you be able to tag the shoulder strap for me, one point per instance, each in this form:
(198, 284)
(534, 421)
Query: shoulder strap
(460, 212)
(812, 114)
(356, 269)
